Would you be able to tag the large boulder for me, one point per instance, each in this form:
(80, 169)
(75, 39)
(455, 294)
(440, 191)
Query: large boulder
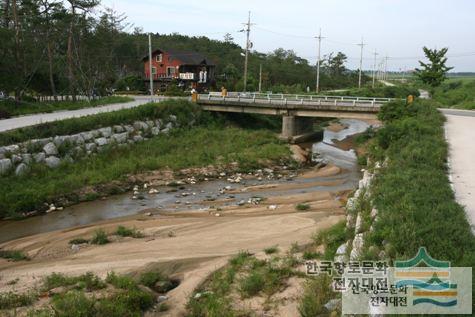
(14, 148)
(155, 131)
(5, 166)
(120, 137)
(138, 138)
(52, 161)
(102, 141)
(106, 132)
(87, 136)
(140, 125)
(118, 129)
(77, 139)
(50, 149)
(27, 158)
(39, 157)
(16, 159)
(91, 147)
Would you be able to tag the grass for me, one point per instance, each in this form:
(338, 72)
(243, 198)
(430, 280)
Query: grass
(331, 239)
(244, 276)
(456, 94)
(398, 91)
(10, 108)
(302, 207)
(129, 232)
(186, 112)
(13, 255)
(412, 193)
(100, 237)
(181, 149)
(87, 281)
(317, 292)
(79, 241)
(11, 300)
(271, 250)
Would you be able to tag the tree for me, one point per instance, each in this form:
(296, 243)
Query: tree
(228, 38)
(434, 72)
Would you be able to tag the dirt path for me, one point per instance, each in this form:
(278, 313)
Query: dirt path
(460, 135)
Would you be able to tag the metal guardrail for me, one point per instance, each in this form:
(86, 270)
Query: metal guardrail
(285, 99)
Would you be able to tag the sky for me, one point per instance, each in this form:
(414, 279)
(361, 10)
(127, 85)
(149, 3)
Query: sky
(394, 28)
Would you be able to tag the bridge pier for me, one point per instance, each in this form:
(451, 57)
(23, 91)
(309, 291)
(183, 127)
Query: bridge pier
(299, 129)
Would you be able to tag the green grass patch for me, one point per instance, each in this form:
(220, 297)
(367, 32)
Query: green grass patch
(10, 108)
(129, 232)
(100, 237)
(87, 281)
(302, 207)
(412, 193)
(271, 250)
(317, 292)
(79, 241)
(331, 239)
(456, 94)
(13, 255)
(11, 300)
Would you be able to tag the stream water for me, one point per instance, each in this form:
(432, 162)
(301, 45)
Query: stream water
(192, 197)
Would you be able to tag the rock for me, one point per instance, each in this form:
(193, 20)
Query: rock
(5, 166)
(52, 161)
(172, 118)
(357, 247)
(27, 158)
(137, 138)
(16, 159)
(166, 130)
(50, 149)
(217, 214)
(14, 148)
(150, 123)
(77, 139)
(21, 169)
(241, 203)
(39, 157)
(350, 220)
(87, 136)
(155, 131)
(272, 207)
(58, 140)
(120, 137)
(158, 123)
(169, 126)
(350, 204)
(374, 213)
(161, 299)
(102, 141)
(332, 304)
(118, 129)
(91, 147)
(75, 247)
(57, 290)
(129, 128)
(359, 222)
(140, 125)
(106, 132)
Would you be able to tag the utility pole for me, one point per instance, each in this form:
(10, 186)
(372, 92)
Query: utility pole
(386, 67)
(260, 77)
(374, 67)
(150, 65)
(248, 31)
(319, 37)
(362, 44)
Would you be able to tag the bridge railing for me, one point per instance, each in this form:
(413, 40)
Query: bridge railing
(284, 99)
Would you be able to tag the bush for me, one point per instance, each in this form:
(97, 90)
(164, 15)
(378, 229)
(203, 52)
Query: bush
(13, 255)
(150, 278)
(87, 281)
(11, 300)
(121, 281)
(252, 284)
(317, 293)
(128, 232)
(100, 237)
(302, 207)
(331, 239)
(271, 250)
(78, 241)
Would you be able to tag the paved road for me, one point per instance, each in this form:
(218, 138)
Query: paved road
(29, 120)
(460, 134)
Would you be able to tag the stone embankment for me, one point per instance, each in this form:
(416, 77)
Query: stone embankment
(54, 151)
(361, 215)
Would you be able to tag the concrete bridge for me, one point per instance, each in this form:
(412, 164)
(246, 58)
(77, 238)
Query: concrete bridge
(297, 111)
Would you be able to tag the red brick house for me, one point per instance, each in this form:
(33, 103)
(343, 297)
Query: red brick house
(188, 69)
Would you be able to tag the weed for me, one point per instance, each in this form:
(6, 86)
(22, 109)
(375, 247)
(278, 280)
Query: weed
(271, 250)
(302, 207)
(100, 237)
(87, 281)
(11, 300)
(309, 255)
(78, 241)
(13, 255)
(331, 239)
(121, 281)
(128, 232)
(317, 292)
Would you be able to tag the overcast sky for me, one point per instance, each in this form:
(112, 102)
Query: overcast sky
(397, 28)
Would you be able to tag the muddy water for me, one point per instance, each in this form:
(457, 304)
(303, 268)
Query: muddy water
(192, 197)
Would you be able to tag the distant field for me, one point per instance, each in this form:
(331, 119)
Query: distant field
(461, 78)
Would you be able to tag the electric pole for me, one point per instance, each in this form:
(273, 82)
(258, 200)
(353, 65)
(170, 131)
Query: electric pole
(386, 67)
(362, 44)
(374, 67)
(150, 65)
(319, 37)
(248, 31)
(260, 77)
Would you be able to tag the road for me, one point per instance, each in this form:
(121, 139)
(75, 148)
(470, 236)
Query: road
(460, 133)
(29, 120)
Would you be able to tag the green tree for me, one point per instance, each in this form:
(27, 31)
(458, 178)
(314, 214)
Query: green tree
(435, 71)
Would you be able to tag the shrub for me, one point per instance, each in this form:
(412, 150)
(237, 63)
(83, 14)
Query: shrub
(100, 237)
(13, 255)
(121, 281)
(317, 293)
(252, 284)
(78, 241)
(271, 250)
(149, 279)
(128, 232)
(331, 239)
(87, 281)
(11, 300)
(73, 304)
(302, 207)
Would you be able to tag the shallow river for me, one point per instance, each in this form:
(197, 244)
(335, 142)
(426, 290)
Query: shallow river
(192, 196)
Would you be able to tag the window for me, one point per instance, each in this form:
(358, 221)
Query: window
(171, 71)
(158, 58)
(154, 70)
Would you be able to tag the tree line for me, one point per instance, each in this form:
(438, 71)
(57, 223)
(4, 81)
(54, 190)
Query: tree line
(52, 47)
